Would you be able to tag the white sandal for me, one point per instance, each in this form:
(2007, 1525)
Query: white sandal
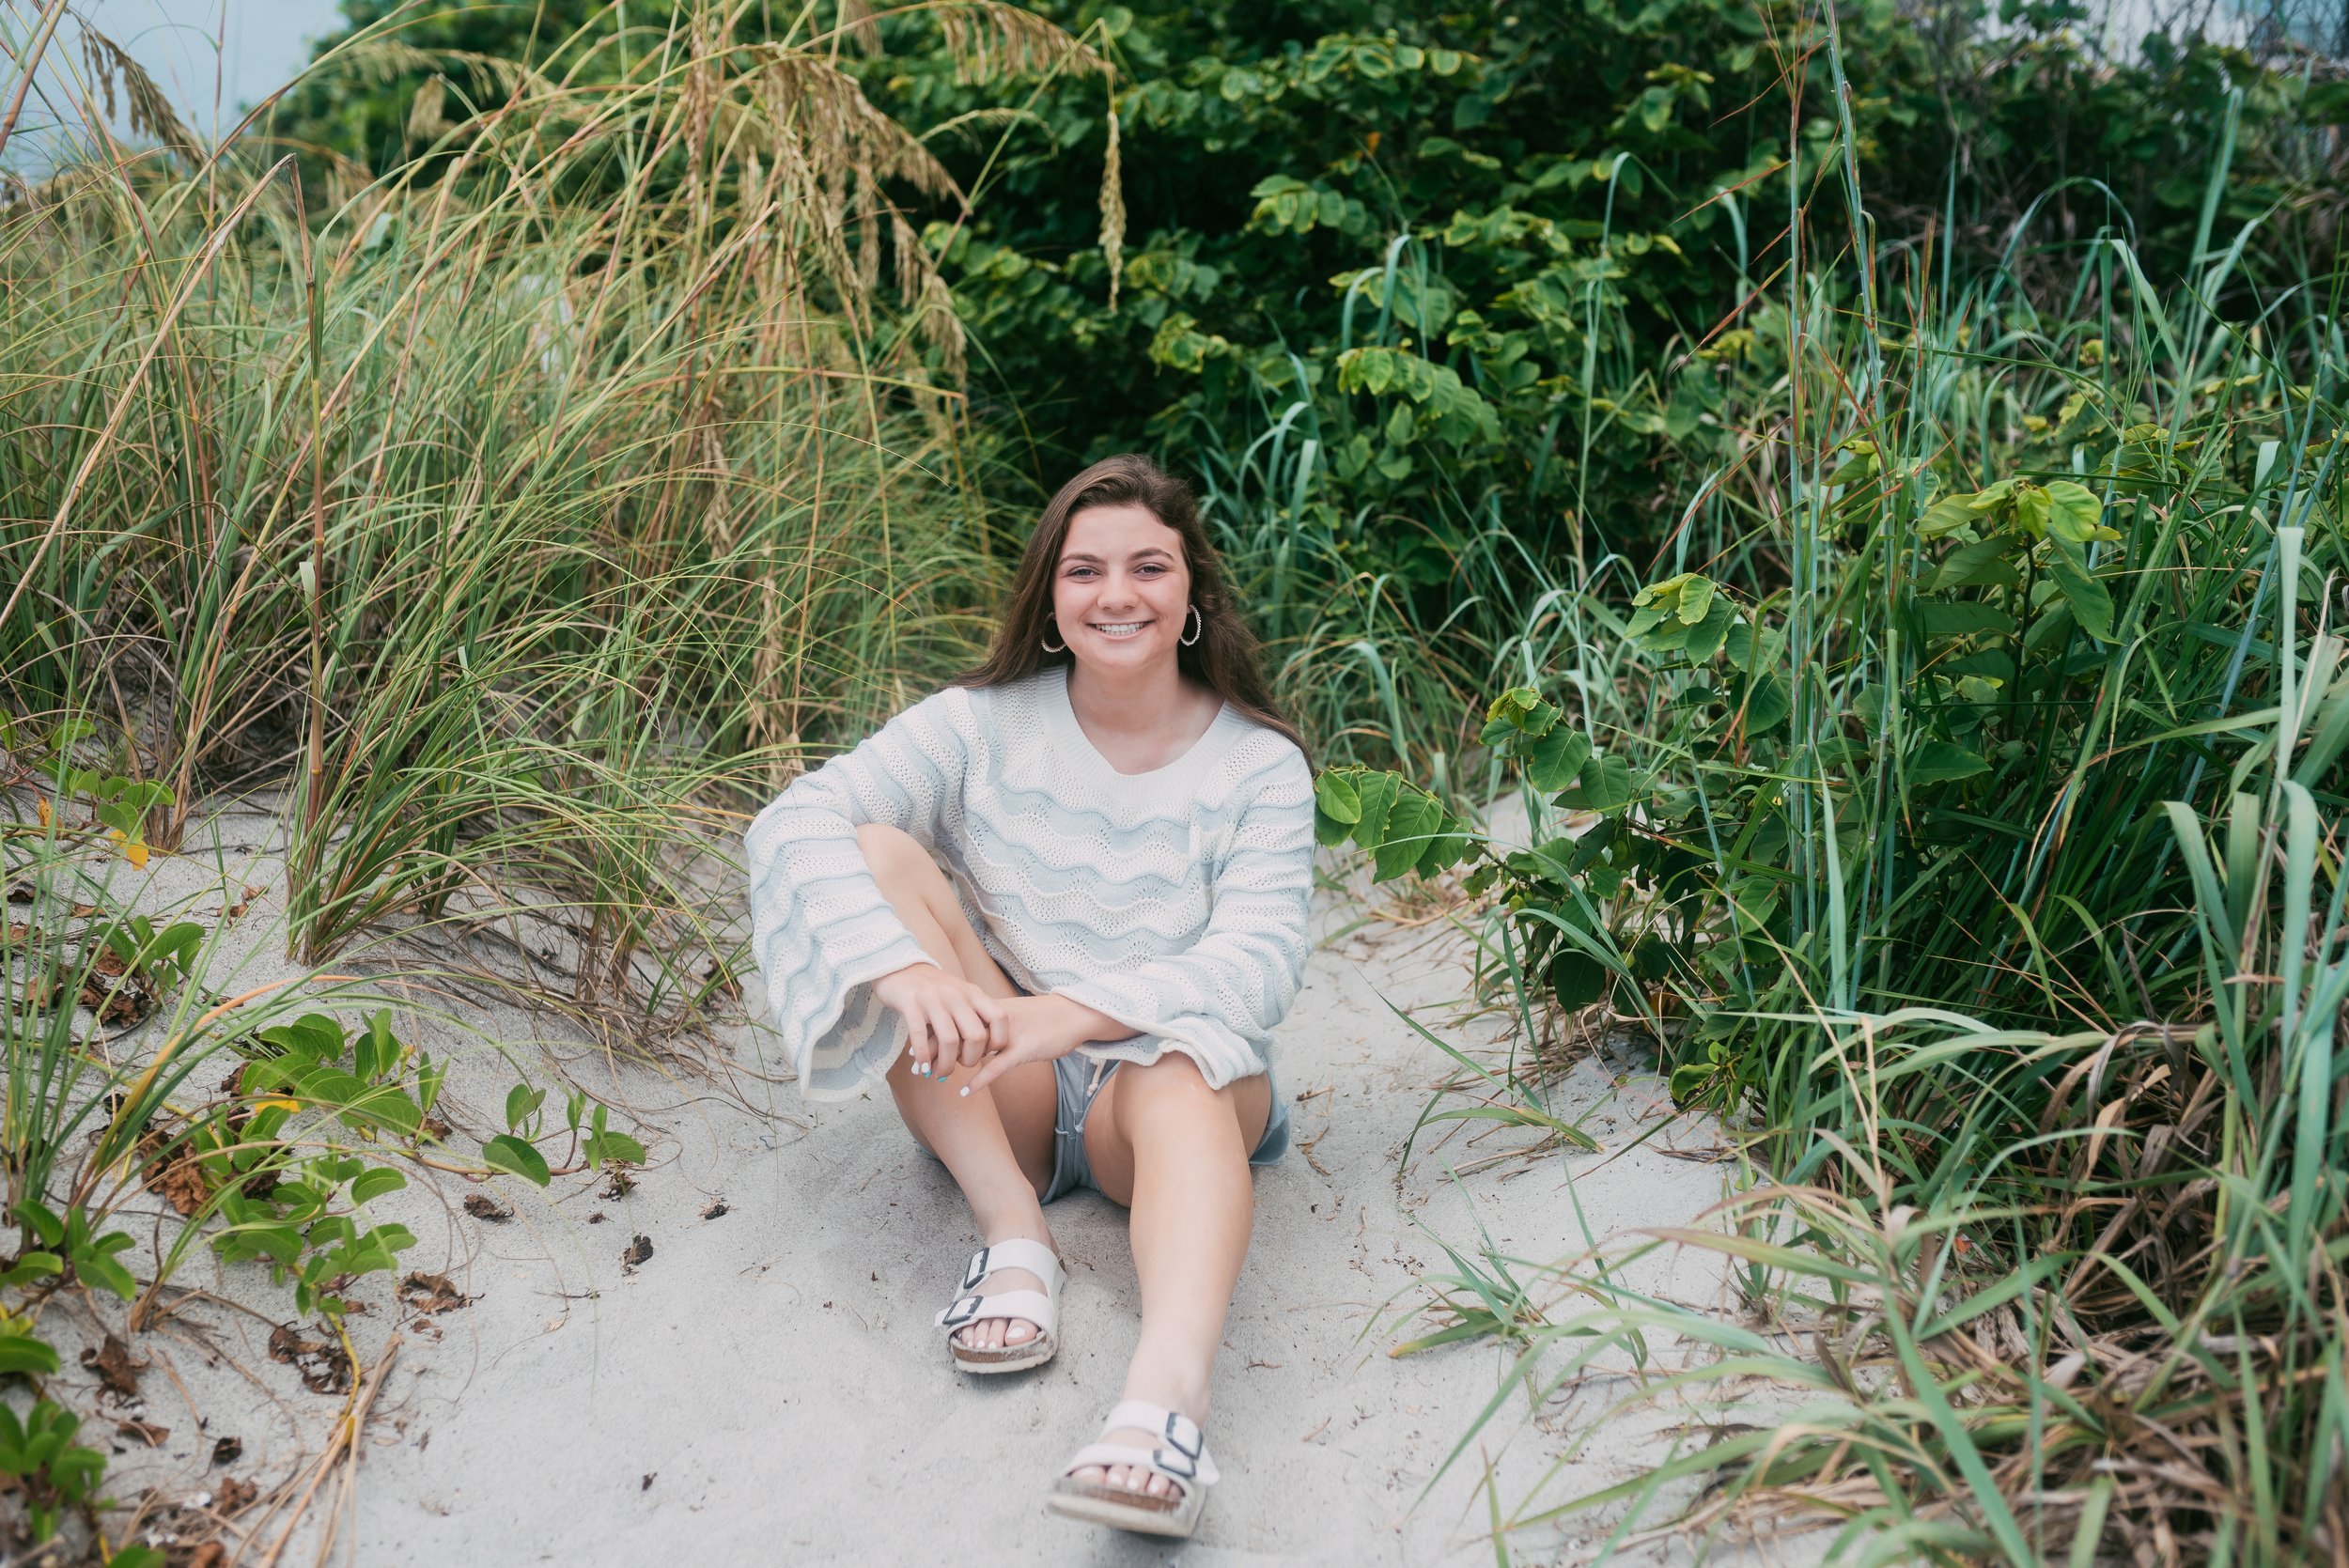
(1040, 1308)
(1181, 1458)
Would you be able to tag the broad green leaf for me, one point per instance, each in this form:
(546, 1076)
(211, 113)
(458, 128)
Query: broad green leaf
(95, 1267)
(2091, 604)
(1327, 831)
(1603, 785)
(1739, 641)
(1696, 599)
(617, 1145)
(42, 1221)
(1961, 620)
(331, 1087)
(146, 795)
(1552, 762)
(313, 1034)
(1980, 564)
(1765, 703)
(1443, 851)
(522, 1102)
(1576, 979)
(1938, 761)
(1652, 957)
(1946, 516)
(375, 1052)
(23, 1354)
(1862, 463)
(1410, 821)
(1337, 798)
(508, 1153)
(2074, 512)
(1665, 634)
(375, 1183)
(1377, 792)
(1521, 707)
(1705, 638)
(2032, 508)
(1665, 594)
(31, 1265)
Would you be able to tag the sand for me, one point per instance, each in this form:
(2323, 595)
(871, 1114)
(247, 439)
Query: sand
(766, 1386)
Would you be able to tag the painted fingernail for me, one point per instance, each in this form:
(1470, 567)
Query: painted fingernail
(964, 1090)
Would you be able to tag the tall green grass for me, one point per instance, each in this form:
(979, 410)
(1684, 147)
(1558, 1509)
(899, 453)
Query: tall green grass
(507, 525)
(2004, 929)
(511, 511)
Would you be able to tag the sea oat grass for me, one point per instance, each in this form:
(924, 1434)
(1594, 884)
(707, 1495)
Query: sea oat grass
(515, 508)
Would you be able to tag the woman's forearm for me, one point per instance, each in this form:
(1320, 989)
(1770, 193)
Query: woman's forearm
(1085, 1024)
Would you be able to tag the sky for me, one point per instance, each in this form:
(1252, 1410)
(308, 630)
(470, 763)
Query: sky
(245, 48)
(211, 57)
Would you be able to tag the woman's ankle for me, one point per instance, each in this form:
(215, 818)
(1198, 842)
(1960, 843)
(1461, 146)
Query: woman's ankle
(1002, 1224)
(1171, 1387)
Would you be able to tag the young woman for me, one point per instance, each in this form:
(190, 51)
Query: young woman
(1058, 908)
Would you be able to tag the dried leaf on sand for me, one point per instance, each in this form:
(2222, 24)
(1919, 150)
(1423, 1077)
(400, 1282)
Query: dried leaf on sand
(431, 1292)
(115, 1369)
(324, 1368)
(175, 1175)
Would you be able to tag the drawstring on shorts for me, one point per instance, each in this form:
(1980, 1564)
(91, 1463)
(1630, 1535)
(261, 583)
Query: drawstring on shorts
(1093, 1086)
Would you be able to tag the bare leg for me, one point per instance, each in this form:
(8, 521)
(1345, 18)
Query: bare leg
(1176, 1151)
(998, 1142)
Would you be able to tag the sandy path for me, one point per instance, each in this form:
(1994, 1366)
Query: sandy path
(766, 1386)
(769, 1384)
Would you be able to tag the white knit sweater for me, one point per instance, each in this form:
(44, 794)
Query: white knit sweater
(1173, 901)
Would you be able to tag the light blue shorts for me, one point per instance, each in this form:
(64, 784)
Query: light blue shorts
(1078, 1079)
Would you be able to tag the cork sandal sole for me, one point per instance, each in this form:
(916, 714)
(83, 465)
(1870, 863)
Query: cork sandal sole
(1122, 1508)
(1181, 1458)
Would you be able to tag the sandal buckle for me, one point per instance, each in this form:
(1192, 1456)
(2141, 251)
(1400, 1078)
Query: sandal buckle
(1187, 1470)
(977, 1271)
(1176, 1421)
(961, 1311)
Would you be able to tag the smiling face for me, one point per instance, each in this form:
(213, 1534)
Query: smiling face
(1120, 592)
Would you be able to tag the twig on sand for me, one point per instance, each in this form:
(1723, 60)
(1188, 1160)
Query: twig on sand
(345, 1439)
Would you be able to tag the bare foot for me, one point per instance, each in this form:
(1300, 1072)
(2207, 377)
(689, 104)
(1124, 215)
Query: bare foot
(1134, 1477)
(1001, 1333)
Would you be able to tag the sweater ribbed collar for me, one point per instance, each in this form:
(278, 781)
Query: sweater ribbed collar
(1049, 692)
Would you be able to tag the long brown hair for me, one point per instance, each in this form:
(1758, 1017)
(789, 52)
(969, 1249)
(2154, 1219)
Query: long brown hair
(1224, 657)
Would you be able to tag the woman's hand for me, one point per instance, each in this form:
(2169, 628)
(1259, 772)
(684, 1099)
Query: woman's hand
(1042, 1029)
(949, 1021)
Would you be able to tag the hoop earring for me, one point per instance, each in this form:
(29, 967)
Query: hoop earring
(1198, 628)
(1047, 641)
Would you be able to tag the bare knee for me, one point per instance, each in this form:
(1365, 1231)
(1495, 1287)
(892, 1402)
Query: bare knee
(1171, 1086)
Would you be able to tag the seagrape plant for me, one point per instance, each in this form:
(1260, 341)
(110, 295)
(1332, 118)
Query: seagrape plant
(126, 1153)
(1954, 803)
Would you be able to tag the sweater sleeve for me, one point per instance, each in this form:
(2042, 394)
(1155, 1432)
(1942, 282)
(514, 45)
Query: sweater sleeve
(1219, 999)
(820, 927)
